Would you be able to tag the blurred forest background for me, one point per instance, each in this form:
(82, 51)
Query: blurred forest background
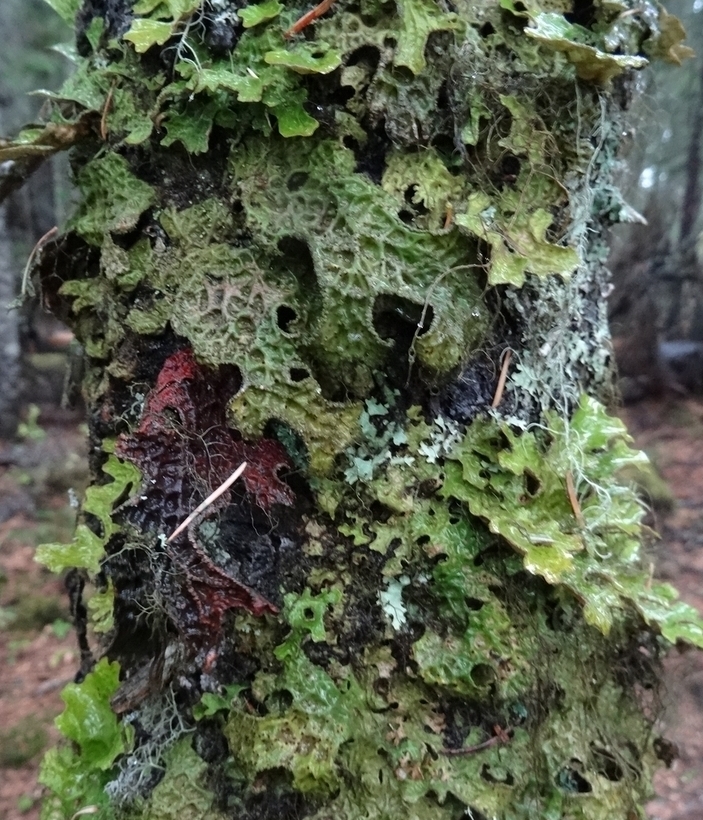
(28, 62)
(656, 306)
(657, 320)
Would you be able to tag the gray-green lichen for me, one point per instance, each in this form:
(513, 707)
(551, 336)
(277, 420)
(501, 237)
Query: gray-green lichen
(342, 228)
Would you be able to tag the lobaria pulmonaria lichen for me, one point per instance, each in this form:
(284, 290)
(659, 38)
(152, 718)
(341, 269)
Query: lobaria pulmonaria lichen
(311, 240)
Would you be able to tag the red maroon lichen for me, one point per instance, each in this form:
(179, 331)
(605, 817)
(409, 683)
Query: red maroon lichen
(185, 415)
(185, 450)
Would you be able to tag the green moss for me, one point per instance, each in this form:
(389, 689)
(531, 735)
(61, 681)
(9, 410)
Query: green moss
(33, 612)
(22, 742)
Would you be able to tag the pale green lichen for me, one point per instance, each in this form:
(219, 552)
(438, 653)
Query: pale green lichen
(76, 776)
(557, 500)
(183, 793)
(87, 549)
(116, 200)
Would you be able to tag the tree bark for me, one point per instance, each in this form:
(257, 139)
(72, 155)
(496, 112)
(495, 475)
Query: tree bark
(317, 245)
(9, 334)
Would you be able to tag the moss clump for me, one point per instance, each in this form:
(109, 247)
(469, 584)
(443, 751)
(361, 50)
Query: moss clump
(21, 743)
(32, 612)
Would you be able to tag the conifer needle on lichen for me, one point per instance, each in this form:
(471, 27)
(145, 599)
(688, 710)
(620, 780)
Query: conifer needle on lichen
(208, 501)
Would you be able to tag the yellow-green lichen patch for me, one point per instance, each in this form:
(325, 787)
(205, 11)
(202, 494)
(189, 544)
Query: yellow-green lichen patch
(260, 13)
(554, 32)
(366, 262)
(422, 179)
(183, 793)
(373, 741)
(77, 775)
(279, 386)
(418, 19)
(555, 497)
(114, 199)
(304, 738)
(87, 549)
(260, 71)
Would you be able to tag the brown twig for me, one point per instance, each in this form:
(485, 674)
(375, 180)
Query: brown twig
(497, 398)
(52, 685)
(573, 499)
(106, 111)
(501, 736)
(309, 17)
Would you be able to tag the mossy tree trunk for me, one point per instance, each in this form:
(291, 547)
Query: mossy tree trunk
(314, 249)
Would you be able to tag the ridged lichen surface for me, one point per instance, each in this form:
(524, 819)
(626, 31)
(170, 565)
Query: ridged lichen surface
(312, 246)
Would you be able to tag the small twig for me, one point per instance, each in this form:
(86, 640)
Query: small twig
(106, 111)
(52, 685)
(86, 810)
(448, 216)
(306, 19)
(573, 499)
(469, 750)
(209, 500)
(50, 234)
(497, 398)
(501, 736)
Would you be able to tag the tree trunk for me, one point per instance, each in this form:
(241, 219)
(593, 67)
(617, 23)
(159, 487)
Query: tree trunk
(317, 250)
(9, 334)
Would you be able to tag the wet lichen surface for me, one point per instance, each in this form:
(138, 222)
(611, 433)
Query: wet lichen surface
(309, 248)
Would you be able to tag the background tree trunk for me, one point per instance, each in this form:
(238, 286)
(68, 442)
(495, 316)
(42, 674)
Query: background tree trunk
(26, 63)
(9, 334)
(314, 250)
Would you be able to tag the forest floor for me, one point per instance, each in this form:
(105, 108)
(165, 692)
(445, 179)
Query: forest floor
(38, 655)
(671, 433)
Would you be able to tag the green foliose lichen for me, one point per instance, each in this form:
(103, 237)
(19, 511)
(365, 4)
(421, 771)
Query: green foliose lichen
(114, 199)
(372, 740)
(76, 775)
(556, 498)
(183, 793)
(87, 549)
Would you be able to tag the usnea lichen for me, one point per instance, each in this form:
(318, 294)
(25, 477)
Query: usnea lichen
(310, 247)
